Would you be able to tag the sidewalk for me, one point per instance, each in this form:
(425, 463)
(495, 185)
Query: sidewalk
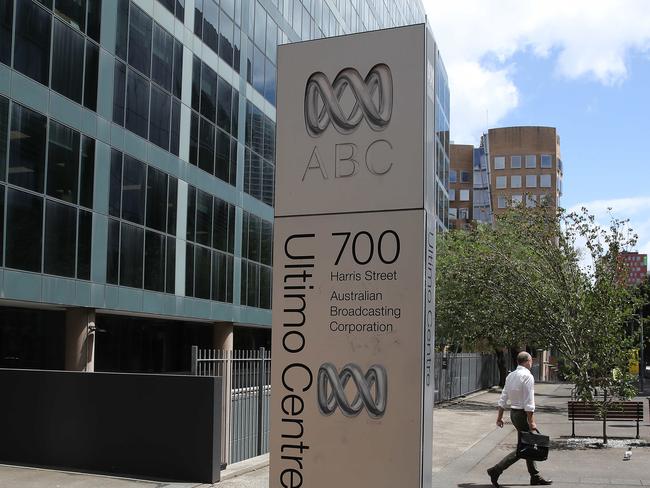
(466, 443)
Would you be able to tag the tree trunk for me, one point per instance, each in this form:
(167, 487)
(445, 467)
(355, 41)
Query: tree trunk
(501, 363)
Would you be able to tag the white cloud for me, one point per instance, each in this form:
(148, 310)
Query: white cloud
(585, 39)
(636, 209)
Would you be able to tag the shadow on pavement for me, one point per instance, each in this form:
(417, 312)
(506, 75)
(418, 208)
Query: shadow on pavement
(487, 485)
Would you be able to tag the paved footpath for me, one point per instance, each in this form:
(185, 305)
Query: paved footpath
(466, 443)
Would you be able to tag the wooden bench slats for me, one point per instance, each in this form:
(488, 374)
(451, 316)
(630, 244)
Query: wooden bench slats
(617, 411)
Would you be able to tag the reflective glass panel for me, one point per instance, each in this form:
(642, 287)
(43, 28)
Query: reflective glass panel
(84, 244)
(60, 239)
(6, 28)
(160, 118)
(32, 43)
(63, 163)
(27, 148)
(206, 146)
(131, 248)
(87, 176)
(203, 218)
(156, 199)
(73, 11)
(113, 252)
(24, 231)
(137, 104)
(91, 74)
(163, 57)
(140, 26)
(154, 261)
(202, 270)
(133, 190)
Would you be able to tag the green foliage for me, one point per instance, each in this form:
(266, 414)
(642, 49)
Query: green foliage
(525, 281)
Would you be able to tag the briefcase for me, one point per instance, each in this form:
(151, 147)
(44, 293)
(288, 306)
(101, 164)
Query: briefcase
(533, 446)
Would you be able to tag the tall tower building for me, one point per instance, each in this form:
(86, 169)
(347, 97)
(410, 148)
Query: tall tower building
(137, 161)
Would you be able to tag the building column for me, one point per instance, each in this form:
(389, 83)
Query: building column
(223, 341)
(80, 339)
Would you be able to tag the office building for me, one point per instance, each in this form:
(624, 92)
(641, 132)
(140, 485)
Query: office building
(469, 185)
(636, 267)
(525, 167)
(512, 166)
(136, 172)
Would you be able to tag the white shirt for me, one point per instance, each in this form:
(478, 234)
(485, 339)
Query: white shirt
(520, 390)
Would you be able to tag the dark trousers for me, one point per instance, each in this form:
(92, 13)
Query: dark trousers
(520, 421)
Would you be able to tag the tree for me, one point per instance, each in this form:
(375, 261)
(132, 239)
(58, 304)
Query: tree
(525, 281)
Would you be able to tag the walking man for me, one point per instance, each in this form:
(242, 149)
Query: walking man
(519, 389)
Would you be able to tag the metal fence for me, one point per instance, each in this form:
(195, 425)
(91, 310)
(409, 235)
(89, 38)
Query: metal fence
(247, 391)
(460, 374)
(246, 394)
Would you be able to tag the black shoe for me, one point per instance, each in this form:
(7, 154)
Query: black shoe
(494, 477)
(538, 480)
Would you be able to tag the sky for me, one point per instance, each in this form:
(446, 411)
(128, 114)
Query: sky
(582, 66)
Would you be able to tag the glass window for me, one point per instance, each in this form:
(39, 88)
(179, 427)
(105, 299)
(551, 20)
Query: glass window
(203, 218)
(6, 28)
(189, 270)
(502, 181)
(84, 244)
(137, 104)
(220, 225)
(208, 92)
(531, 200)
(515, 162)
(223, 155)
(140, 26)
(219, 273)
(154, 261)
(24, 231)
(175, 133)
(237, 51)
(4, 135)
(531, 161)
(211, 24)
(115, 185)
(464, 195)
(160, 118)
(170, 278)
(266, 254)
(92, 72)
(172, 196)
(191, 213)
(226, 39)
(545, 181)
(452, 194)
(113, 252)
(163, 57)
(452, 176)
(119, 92)
(224, 105)
(27, 148)
(516, 200)
(531, 181)
(515, 181)
(198, 17)
(268, 174)
(73, 11)
(206, 146)
(202, 268)
(133, 190)
(463, 213)
(32, 45)
(501, 202)
(453, 213)
(464, 177)
(177, 81)
(194, 139)
(499, 162)
(196, 84)
(131, 249)
(258, 70)
(547, 161)
(87, 176)
(122, 29)
(63, 163)
(269, 82)
(156, 199)
(94, 17)
(60, 239)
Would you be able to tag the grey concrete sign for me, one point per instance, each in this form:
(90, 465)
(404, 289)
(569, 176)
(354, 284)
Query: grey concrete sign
(354, 262)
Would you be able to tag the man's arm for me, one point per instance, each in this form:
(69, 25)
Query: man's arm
(503, 401)
(529, 402)
(500, 417)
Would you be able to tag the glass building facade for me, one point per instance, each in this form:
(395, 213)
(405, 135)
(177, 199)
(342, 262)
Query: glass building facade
(137, 156)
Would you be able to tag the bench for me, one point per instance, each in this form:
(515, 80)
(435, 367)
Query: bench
(617, 411)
